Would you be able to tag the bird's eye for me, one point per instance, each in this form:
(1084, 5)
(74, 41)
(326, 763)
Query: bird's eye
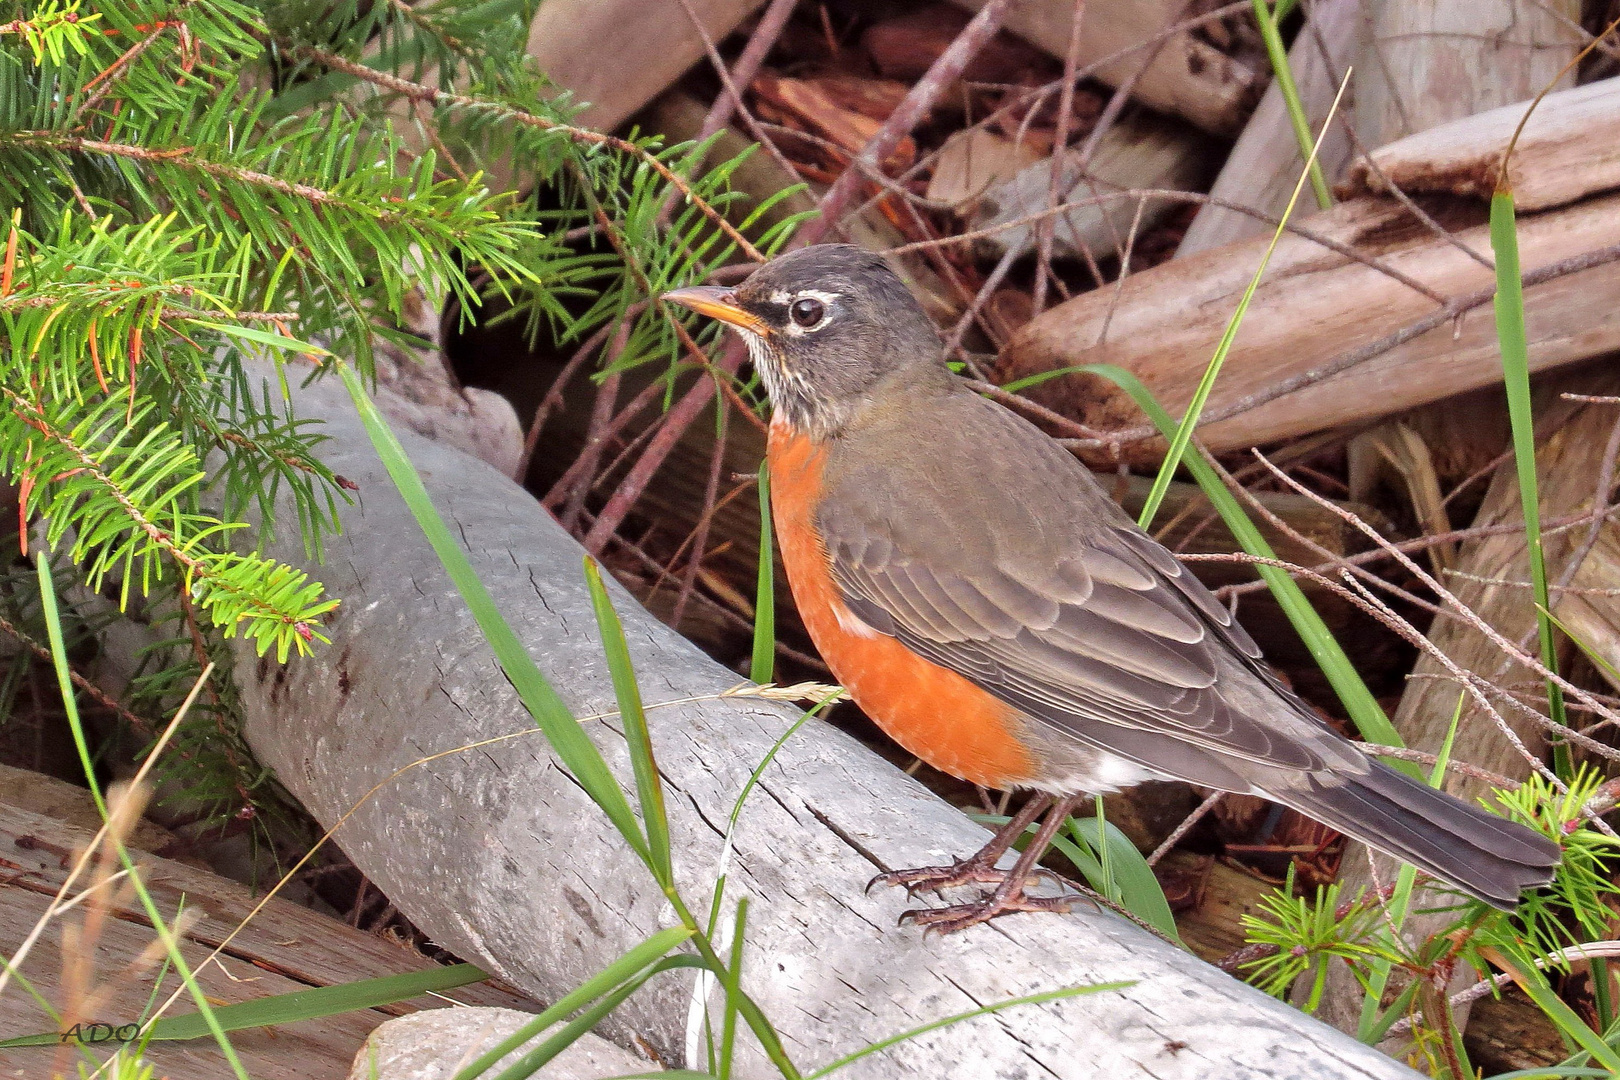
(807, 311)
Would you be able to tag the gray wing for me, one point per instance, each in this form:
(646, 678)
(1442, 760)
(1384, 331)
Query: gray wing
(1110, 639)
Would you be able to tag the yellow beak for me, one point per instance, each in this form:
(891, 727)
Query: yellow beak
(717, 303)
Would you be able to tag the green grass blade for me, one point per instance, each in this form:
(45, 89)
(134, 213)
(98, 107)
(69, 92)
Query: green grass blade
(579, 755)
(1130, 878)
(935, 1025)
(70, 706)
(536, 1059)
(732, 982)
(1195, 408)
(1534, 984)
(764, 663)
(1358, 701)
(1514, 343)
(1278, 54)
(649, 785)
(638, 959)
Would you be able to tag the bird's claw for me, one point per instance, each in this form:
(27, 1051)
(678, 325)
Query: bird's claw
(956, 917)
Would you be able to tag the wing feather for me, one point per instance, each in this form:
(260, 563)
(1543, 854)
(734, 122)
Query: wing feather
(1085, 623)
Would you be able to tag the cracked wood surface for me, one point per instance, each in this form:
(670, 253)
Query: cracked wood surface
(501, 857)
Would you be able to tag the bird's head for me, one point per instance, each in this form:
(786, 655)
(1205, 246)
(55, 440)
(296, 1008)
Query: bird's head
(829, 327)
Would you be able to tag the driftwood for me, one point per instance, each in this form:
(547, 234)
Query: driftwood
(1189, 78)
(1264, 164)
(1489, 581)
(1315, 307)
(285, 949)
(501, 858)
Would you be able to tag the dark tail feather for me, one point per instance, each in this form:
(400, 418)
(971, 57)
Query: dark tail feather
(1484, 855)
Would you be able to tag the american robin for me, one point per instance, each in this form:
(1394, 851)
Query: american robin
(986, 603)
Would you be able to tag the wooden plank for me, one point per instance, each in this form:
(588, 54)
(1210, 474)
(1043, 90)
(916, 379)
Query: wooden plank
(308, 1050)
(1570, 148)
(1189, 77)
(285, 948)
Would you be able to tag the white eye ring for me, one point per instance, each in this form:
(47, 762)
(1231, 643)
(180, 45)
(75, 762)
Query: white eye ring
(822, 301)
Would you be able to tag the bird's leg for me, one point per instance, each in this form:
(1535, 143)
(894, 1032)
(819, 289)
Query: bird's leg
(978, 868)
(1009, 894)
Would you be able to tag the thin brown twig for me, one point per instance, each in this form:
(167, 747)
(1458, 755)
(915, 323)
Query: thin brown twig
(109, 75)
(1060, 144)
(675, 424)
(700, 534)
(553, 398)
(913, 108)
(607, 395)
(89, 688)
(734, 82)
(577, 471)
(953, 340)
(1528, 661)
(1186, 825)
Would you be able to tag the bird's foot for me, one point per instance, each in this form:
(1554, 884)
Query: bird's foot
(949, 920)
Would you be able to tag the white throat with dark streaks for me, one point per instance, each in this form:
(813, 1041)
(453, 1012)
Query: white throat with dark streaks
(792, 400)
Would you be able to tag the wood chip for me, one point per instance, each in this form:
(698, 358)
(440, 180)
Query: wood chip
(1137, 152)
(973, 160)
(841, 109)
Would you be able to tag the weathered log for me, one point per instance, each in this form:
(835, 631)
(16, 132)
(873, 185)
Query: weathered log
(1316, 306)
(1490, 578)
(498, 854)
(1189, 78)
(1264, 164)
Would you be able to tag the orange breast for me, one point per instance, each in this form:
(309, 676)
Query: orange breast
(930, 710)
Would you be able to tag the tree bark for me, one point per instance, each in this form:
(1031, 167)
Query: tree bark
(499, 855)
